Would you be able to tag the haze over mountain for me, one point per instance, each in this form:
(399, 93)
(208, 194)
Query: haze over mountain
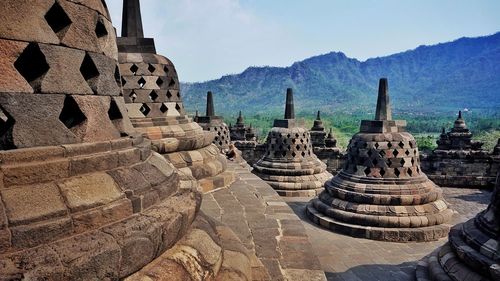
(445, 77)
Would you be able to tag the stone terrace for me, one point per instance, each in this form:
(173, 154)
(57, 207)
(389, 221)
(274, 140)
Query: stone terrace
(290, 247)
(345, 258)
(267, 226)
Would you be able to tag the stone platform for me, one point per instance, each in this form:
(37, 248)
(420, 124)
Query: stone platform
(346, 258)
(267, 226)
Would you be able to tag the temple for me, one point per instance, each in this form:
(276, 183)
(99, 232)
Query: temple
(154, 103)
(289, 164)
(458, 161)
(381, 193)
(325, 146)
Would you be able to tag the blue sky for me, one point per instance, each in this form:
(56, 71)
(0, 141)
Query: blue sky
(206, 39)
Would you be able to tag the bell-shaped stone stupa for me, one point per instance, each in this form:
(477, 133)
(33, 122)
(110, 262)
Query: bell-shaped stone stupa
(381, 193)
(289, 164)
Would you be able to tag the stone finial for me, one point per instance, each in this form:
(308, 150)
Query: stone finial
(239, 120)
(443, 131)
(460, 114)
(318, 117)
(289, 108)
(210, 104)
(384, 111)
(131, 19)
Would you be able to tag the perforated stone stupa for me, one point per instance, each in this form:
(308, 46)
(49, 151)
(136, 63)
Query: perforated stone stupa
(82, 196)
(459, 161)
(289, 164)
(325, 146)
(381, 193)
(215, 124)
(154, 104)
(471, 253)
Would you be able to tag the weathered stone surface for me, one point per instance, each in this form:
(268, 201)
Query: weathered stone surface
(33, 203)
(88, 191)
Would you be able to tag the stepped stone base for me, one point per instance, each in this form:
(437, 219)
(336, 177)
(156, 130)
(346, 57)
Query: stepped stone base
(209, 251)
(466, 243)
(219, 181)
(420, 234)
(299, 193)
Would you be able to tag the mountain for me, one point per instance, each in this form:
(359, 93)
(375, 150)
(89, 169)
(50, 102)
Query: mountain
(445, 77)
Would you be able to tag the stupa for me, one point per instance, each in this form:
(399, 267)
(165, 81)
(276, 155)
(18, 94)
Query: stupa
(289, 164)
(154, 104)
(458, 161)
(240, 131)
(381, 193)
(83, 197)
(318, 133)
(471, 253)
(215, 124)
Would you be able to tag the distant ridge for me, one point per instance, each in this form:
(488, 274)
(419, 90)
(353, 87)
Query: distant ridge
(464, 73)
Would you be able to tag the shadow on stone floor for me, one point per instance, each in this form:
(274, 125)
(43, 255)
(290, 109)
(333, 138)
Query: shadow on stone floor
(376, 272)
(481, 196)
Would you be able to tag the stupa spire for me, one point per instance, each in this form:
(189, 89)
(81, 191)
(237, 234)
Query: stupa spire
(384, 111)
(318, 117)
(131, 19)
(210, 104)
(289, 107)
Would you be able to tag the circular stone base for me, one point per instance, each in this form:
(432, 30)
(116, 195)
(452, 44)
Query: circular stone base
(419, 234)
(299, 193)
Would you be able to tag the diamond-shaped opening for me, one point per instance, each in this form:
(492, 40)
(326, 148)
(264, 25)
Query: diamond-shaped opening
(31, 64)
(397, 172)
(411, 144)
(88, 69)
(294, 154)
(401, 144)
(141, 82)
(389, 145)
(165, 68)
(303, 154)
(145, 109)
(389, 162)
(58, 20)
(172, 82)
(382, 172)
(297, 147)
(410, 172)
(283, 153)
(376, 145)
(153, 95)
(219, 133)
(178, 107)
(100, 29)
(289, 148)
(71, 115)
(159, 82)
(302, 140)
(220, 143)
(178, 95)
(367, 171)
(133, 96)
(395, 152)
(403, 162)
(6, 126)
(124, 81)
(294, 141)
(412, 161)
(297, 135)
(163, 108)
(407, 152)
(151, 68)
(382, 153)
(134, 68)
(169, 95)
(114, 112)
(370, 153)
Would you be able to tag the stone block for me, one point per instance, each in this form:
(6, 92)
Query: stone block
(11, 80)
(27, 236)
(89, 191)
(29, 204)
(37, 172)
(98, 217)
(93, 163)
